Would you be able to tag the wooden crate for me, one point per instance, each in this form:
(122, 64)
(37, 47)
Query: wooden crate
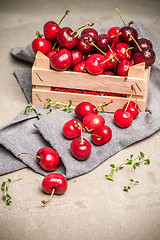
(43, 78)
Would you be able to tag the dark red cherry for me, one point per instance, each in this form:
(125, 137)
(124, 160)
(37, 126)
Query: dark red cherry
(123, 68)
(95, 63)
(101, 135)
(122, 118)
(125, 34)
(102, 41)
(147, 55)
(91, 31)
(66, 38)
(77, 57)
(62, 60)
(84, 108)
(143, 43)
(80, 67)
(83, 44)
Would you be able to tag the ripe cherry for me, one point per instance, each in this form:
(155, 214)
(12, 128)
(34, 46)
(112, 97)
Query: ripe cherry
(101, 135)
(52, 52)
(125, 34)
(113, 32)
(47, 158)
(83, 44)
(66, 38)
(80, 148)
(102, 41)
(77, 57)
(84, 108)
(54, 183)
(123, 51)
(80, 67)
(91, 31)
(108, 73)
(94, 64)
(71, 128)
(147, 55)
(132, 108)
(123, 67)
(123, 118)
(93, 121)
(61, 60)
(41, 44)
(112, 62)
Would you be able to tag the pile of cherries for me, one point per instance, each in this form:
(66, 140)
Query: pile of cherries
(84, 50)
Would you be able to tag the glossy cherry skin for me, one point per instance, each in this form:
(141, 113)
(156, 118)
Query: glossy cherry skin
(101, 135)
(123, 119)
(42, 45)
(108, 73)
(132, 108)
(80, 67)
(77, 57)
(79, 150)
(91, 31)
(123, 51)
(83, 44)
(61, 60)
(50, 30)
(93, 121)
(94, 64)
(71, 129)
(147, 55)
(52, 52)
(102, 41)
(143, 44)
(49, 159)
(110, 64)
(126, 31)
(123, 67)
(66, 38)
(112, 32)
(54, 181)
(83, 109)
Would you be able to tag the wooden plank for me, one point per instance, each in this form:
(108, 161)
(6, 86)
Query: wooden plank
(39, 98)
(41, 61)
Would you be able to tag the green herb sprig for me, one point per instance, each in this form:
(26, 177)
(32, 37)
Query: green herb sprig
(133, 163)
(67, 107)
(6, 196)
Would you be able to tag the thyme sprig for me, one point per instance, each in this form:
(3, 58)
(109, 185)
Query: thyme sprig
(133, 163)
(6, 196)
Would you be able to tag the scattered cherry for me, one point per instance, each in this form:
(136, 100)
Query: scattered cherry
(93, 121)
(81, 149)
(101, 135)
(132, 108)
(71, 128)
(83, 109)
(123, 118)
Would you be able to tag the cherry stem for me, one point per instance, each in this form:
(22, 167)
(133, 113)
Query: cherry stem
(96, 135)
(109, 58)
(44, 202)
(19, 154)
(39, 35)
(128, 50)
(135, 42)
(81, 28)
(94, 45)
(102, 106)
(120, 15)
(54, 45)
(66, 13)
(133, 90)
(112, 52)
(79, 125)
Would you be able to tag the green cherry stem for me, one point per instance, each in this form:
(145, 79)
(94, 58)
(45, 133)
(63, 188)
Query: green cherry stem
(81, 28)
(19, 154)
(94, 45)
(120, 15)
(66, 13)
(44, 202)
(132, 38)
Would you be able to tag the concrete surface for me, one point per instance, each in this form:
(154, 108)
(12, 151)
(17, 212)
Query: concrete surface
(92, 208)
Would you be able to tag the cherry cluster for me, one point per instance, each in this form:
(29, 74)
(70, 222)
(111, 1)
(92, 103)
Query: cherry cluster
(85, 50)
(89, 121)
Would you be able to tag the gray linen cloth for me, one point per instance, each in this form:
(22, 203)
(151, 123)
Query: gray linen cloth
(28, 133)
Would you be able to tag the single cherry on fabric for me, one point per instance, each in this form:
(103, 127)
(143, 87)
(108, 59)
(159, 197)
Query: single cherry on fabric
(71, 129)
(93, 121)
(132, 108)
(84, 108)
(101, 135)
(47, 158)
(123, 118)
(54, 183)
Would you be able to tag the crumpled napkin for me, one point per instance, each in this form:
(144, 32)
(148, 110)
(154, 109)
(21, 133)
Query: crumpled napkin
(28, 133)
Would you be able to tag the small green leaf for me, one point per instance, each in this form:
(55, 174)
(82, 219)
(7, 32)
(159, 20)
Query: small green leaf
(9, 180)
(147, 161)
(4, 198)
(142, 154)
(112, 165)
(8, 196)
(134, 167)
(120, 168)
(132, 180)
(136, 181)
(131, 156)
(125, 189)
(3, 185)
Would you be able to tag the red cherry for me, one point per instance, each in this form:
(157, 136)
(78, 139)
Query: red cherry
(122, 118)
(52, 52)
(54, 183)
(71, 129)
(147, 55)
(83, 44)
(108, 73)
(132, 108)
(93, 121)
(126, 33)
(94, 64)
(42, 45)
(110, 64)
(84, 108)
(51, 29)
(101, 135)
(102, 41)
(77, 57)
(80, 67)
(66, 38)
(112, 32)
(90, 31)
(123, 67)
(123, 51)
(61, 60)
(47, 158)
(81, 150)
